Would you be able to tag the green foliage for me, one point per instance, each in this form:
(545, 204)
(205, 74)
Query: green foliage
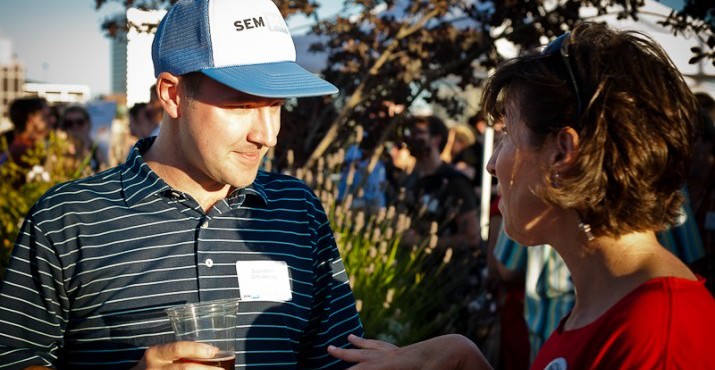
(396, 287)
(45, 165)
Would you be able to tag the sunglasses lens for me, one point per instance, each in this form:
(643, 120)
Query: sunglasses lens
(73, 122)
(555, 45)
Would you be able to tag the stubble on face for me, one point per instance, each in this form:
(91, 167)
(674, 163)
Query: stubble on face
(230, 131)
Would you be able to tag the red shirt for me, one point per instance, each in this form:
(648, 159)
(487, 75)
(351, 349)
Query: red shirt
(666, 323)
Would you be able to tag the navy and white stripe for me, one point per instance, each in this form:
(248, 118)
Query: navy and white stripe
(98, 260)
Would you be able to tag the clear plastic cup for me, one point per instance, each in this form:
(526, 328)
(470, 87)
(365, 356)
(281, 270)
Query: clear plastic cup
(211, 322)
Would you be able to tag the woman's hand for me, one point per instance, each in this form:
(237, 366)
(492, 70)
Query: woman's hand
(447, 352)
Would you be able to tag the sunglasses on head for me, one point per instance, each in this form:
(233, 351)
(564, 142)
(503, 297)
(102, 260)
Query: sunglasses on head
(561, 45)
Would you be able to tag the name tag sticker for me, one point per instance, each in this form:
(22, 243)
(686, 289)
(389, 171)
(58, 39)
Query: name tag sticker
(263, 280)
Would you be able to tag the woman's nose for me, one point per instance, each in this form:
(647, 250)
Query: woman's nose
(491, 165)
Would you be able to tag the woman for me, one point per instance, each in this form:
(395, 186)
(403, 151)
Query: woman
(599, 131)
(77, 123)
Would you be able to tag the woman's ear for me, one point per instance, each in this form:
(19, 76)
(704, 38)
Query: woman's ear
(566, 149)
(168, 93)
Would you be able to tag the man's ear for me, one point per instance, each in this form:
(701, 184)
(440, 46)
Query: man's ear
(566, 149)
(168, 93)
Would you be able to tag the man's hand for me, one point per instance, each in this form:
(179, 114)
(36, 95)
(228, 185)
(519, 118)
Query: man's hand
(164, 356)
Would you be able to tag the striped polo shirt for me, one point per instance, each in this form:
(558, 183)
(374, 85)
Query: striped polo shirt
(99, 259)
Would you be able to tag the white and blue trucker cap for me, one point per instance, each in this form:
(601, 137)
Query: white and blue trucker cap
(244, 44)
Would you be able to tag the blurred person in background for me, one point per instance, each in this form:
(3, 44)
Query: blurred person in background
(141, 124)
(32, 120)
(54, 117)
(154, 111)
(366, 187)
(460, 138)
(701, 183)
(593, 162)
(77, 123)
(437, 192)
(440, 201)
(470, 160)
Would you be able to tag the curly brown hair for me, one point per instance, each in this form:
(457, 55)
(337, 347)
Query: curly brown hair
(635, 124)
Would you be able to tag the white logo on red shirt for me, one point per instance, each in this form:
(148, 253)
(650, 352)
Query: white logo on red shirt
(557, 364)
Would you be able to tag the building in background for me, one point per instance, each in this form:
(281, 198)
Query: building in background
(12, 81)
(13, 85)
(119, 63)
(140, 69)
(62, 94)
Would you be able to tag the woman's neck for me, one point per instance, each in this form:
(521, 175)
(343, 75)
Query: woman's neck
(606, 269)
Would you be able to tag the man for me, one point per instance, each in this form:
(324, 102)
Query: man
(470, 160)
(187, 218)
(436, 191)
(140, 121)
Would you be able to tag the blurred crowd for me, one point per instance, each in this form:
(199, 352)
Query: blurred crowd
(93, 148)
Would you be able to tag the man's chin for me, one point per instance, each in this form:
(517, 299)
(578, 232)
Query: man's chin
(244, 180)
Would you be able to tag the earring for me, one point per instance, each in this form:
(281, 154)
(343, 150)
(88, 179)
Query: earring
(586, 228)
(556, 180)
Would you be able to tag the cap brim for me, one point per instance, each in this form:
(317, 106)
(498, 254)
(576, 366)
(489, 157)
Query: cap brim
(272, 80)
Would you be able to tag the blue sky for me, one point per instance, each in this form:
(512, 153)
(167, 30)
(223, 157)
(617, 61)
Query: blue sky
(59, 41)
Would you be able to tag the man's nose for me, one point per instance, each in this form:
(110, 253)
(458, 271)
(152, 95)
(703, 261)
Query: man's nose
(264, 128)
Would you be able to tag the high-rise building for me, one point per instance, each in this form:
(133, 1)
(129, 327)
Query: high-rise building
(140, 69)
(132, 69)
(119, 63)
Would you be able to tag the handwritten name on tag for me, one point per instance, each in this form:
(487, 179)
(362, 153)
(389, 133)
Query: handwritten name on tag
(264, 280)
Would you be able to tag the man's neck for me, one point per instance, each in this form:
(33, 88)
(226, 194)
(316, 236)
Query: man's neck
(163, 162)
